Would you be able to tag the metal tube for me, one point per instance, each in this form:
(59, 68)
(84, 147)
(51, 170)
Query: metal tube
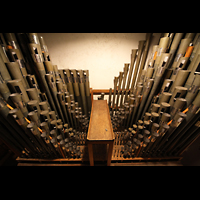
(166, 85)
(82, 91)
(109, 99)
(16, 73)
(42, 73)
(160, 71)
(33, 116)
(178, 118)
(17, 100)
(137, 102)
(11, 40)
(19, 117)
(144, 55)
(69, 81)
(133, 58)
(177, 107)
(33, 94)
(87, 90)
(174, 45)
(180, 79)
(181, 51)
(36, 52)
(17, 86)
(193, 90)
(163, 44)
(164, 108)
(4, 90)
(44, 106)
(114, 94)
(163, 129)
(153, 54)
(3, 53)
(38, 140)
(146, 92)
(19, 134)
(194, 69)
(46, 138)
(52, 86)
(33, 38)
(153, 136)
(180, 65)
(4, 71)
(140, 48)
(191, 115)
(33, 105)
(179, 92)
(119, 89)
(148, 75)
(126, 68)
(61, 99)
(43, 44)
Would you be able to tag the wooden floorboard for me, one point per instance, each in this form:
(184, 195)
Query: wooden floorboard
(55, 164)
(168, 163)
(162, 163)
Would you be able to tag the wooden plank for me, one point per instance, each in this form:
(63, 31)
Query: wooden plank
(115, 158)
(162, 163)
(91, 154)
(51, 164)
(147, 159)
(91, 93)
(110, 150)
(100, 127)
(99, 91)
(46, 159)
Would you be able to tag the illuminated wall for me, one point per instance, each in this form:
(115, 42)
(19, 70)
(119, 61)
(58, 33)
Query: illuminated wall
(103, 54)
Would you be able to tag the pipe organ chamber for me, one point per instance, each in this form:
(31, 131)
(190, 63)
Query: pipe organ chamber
(154, 103)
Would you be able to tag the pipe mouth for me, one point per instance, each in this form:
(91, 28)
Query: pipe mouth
(31, 125)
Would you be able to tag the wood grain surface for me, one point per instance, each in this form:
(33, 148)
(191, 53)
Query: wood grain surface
(100, 127)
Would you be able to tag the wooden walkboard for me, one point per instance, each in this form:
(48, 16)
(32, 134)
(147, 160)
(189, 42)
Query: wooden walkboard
(100, 127)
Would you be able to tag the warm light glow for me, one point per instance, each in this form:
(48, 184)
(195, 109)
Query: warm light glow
(10, 107)
(185, 110)
(169, 122)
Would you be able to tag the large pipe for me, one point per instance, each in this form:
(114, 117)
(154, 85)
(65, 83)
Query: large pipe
(140, 49)
(160, 71)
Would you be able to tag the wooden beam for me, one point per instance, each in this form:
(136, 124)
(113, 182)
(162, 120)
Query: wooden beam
(99, 91)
